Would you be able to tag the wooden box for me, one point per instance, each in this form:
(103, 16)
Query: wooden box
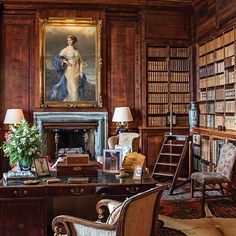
(77, 158)
(64, 169)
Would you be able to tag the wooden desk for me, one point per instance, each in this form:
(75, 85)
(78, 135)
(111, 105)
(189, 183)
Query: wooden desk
(29, 210)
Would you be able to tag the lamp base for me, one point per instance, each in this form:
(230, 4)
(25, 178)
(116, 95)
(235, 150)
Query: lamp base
(121, 129)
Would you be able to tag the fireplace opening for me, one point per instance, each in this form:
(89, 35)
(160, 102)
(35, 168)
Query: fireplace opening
(74, 141)
(70, 138)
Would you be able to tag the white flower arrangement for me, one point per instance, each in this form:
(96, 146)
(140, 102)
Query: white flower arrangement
(23, 143)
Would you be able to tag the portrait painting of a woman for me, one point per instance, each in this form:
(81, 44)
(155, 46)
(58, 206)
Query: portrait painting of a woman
(69, 67)
(71, 54)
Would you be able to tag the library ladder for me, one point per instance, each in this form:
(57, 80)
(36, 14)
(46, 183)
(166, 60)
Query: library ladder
(171, 157)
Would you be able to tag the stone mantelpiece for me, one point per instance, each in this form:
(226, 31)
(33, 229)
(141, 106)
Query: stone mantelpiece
(101, 118)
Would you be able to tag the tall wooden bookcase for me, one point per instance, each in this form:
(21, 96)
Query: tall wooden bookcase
(216, 99)
(168, 80)
(217, 80)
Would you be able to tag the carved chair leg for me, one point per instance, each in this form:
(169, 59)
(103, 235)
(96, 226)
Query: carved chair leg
(192, 187)
(203, 214)
(230, 191)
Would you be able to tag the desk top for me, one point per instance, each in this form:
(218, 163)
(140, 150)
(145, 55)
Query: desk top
(102, 179)
(102, 184)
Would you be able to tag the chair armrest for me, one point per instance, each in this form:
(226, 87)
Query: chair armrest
(112, 141)
(106, 202)
(105, 205)
(63, 223)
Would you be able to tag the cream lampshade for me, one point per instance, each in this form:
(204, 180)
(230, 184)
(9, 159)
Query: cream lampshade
(13, 116)
(122, 116)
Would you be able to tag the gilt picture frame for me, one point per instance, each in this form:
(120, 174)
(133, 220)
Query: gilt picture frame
(70, 62)
(41, 166)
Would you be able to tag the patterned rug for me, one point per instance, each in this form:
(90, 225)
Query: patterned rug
(165, 231)
(181, 209)
(225, 208)
(190, 209)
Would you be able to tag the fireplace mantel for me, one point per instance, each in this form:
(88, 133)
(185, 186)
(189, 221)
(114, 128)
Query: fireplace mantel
(69, 126)
(101, 118)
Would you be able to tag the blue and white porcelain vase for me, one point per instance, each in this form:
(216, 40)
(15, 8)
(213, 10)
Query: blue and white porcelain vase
(25, 166)
(193, 114)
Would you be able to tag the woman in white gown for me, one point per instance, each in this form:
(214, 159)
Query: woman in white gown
(69, 67)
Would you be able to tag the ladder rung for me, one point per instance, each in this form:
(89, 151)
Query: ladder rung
(174, 145)
(164, 174)
(170, 154)
(166, 164)
(178, 136)
(183, 179)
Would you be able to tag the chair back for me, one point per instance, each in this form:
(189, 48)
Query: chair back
(129, 139)
(139, 214)
(226, 161)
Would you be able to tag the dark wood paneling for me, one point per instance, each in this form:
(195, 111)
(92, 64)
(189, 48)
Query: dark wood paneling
(205, 19)
(18, 63)
(97, 3)
(168, 25)
(212, 17)
(154, 147)
(121, 87)
(226, 10)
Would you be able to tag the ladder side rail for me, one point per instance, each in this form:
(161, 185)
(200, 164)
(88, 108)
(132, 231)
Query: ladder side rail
(159, 155)
(180, 162)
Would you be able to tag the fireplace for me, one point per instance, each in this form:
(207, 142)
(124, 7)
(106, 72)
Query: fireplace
(73, 132)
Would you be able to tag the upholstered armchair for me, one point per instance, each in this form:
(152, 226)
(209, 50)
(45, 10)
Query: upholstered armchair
(137, 215)
(222, 177)
(130, 140)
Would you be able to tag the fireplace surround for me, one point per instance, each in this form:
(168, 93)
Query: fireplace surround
(78, 120)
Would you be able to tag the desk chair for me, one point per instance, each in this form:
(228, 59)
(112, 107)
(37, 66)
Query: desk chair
(135, 216)
(221, 177)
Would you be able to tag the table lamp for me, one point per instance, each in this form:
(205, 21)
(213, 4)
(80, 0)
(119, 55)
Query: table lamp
(122, 116)
(13, 116)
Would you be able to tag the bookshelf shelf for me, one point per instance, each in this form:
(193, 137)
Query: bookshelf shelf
(217, 81)
(167, 81)
(207, 144)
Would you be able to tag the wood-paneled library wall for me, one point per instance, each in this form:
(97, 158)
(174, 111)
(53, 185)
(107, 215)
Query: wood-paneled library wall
(128, 25)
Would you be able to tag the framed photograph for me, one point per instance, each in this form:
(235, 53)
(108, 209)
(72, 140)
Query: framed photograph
(41, 166)
(112, 160)
(137, 173)
(70, 62)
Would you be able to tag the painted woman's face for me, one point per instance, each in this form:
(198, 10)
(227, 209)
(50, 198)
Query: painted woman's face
(70, 41)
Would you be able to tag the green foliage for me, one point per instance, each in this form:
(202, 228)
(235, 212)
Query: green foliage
(23, 143)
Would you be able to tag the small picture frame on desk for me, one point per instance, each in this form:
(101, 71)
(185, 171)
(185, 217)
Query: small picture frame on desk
(137, 173)
(112, 160)
(41, 166)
